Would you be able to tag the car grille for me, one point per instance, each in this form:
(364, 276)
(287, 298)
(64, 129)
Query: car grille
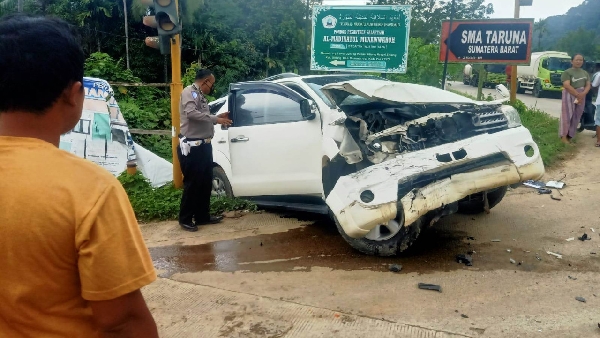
(489, 121)
(555, 79)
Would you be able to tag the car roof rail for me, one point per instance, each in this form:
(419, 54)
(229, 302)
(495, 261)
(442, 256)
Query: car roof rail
(280, 76)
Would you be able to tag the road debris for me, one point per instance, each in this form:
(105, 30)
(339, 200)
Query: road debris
(581, 299)
(573, 278)
(495, 240)
(508, 250)
(464, 316)
(585, 237)
(534, 184)
(592, 229)
(544, 191)
(570, 239)
(395, 267)
(555, 198)
(432, 287)
(592, 253)
(512, 261)
(559, 256)
(470, 238)
(555, 184)
(538, 257)
(464, 259)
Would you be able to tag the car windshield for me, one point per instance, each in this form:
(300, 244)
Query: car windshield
(497, 69)
(316, 83)
(555, 64)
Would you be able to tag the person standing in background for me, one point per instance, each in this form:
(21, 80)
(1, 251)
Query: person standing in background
(576, 83)
(595, 85)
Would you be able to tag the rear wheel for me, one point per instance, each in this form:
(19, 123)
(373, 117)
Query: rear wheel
(520, 90)
(475, 204)
(385, 239)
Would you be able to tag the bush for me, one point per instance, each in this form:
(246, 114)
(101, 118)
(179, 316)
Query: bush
(162, 203)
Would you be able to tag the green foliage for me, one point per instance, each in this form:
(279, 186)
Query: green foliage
(162, 203)
(580, 41)
(423, 65)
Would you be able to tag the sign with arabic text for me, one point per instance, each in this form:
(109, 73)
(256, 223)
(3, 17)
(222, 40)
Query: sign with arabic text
(360, 38)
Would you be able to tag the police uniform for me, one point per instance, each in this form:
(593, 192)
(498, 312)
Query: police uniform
(195, 156)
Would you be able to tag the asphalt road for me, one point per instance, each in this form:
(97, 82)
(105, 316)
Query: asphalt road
(552, 106)
(292, 275)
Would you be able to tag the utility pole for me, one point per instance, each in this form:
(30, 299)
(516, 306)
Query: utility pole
(513, 75)
(126, 32)
(445, 72)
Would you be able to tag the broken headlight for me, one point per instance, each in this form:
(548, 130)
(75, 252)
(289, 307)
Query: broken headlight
(512, 115)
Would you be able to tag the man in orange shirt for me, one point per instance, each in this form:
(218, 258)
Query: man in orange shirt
(71, 252)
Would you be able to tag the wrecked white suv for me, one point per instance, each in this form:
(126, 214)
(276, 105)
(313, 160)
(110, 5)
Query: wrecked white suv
(384, 159)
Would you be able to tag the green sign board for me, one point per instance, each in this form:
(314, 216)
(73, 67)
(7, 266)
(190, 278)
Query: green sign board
(360, 38)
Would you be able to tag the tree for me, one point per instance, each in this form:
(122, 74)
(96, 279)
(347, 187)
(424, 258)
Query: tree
(581, 41)
(541, 28)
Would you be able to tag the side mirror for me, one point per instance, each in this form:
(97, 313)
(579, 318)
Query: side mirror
(545, 64)
(308, 109)
(502, 90)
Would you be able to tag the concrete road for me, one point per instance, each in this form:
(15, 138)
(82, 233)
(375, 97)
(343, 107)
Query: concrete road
(552, 106)
(292, 275)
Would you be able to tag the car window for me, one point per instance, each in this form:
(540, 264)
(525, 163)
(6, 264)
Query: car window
(262, 106)
(297, 89)
(316, 83)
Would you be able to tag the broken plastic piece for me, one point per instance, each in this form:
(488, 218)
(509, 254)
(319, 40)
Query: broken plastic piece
(464, 259)
(573, 278)
(555, 184)
(592, 229)
(464, 316)
(495, 240)
(508, 250)
(395, 267)
(555, 198)
(534, 184)
(512, 261)
(581, 299)
(570, 239)
(585, 237)
(559, 256)
(470, 238)
(430, 287)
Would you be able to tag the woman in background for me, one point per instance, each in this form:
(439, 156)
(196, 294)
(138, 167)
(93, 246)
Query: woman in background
(576, 83)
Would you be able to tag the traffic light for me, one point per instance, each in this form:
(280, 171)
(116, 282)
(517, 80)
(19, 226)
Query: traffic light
(165, 20)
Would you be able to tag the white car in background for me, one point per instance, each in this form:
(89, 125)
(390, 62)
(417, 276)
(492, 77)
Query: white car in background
(384, 159)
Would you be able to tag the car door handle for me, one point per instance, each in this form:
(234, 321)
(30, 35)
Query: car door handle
(240, 139)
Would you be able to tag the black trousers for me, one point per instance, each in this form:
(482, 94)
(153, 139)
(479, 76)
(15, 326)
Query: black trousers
(197, 184)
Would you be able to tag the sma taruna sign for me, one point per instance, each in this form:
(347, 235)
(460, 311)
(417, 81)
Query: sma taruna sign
(506, 41)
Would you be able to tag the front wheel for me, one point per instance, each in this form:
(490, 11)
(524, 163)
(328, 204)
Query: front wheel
(220, 185)
(475, 204)
(385, 239)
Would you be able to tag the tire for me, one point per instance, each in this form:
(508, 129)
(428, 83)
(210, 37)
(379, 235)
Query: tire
(465, 81)
(221, 185)
(388, 247)
(474, 204)
(519, 89)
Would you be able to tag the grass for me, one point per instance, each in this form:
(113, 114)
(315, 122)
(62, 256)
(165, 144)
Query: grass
(543, 128)
(162, 203)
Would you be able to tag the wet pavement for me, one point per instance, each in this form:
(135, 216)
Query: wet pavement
(320, 244)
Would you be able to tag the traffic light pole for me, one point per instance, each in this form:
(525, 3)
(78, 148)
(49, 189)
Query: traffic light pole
(176, 89)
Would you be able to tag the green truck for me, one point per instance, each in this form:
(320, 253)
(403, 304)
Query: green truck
(543, 75)
(494, 75)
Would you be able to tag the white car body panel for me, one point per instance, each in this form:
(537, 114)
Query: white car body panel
(358, 218)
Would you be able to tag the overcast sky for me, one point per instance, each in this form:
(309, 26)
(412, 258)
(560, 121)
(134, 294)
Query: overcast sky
(505, 8)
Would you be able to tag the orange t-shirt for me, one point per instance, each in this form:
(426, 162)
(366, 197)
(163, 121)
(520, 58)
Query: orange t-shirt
(68, 235)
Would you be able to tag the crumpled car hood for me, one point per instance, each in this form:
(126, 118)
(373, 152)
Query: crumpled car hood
(395, 92)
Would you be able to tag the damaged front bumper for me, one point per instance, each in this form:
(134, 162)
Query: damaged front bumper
(415, 183)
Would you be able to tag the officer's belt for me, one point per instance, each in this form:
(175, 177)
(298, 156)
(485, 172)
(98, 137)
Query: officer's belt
(194, 142)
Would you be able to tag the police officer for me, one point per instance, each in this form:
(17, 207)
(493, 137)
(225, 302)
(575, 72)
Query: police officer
(195, 151)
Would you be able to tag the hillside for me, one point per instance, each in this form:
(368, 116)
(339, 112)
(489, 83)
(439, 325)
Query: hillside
(576, 31)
